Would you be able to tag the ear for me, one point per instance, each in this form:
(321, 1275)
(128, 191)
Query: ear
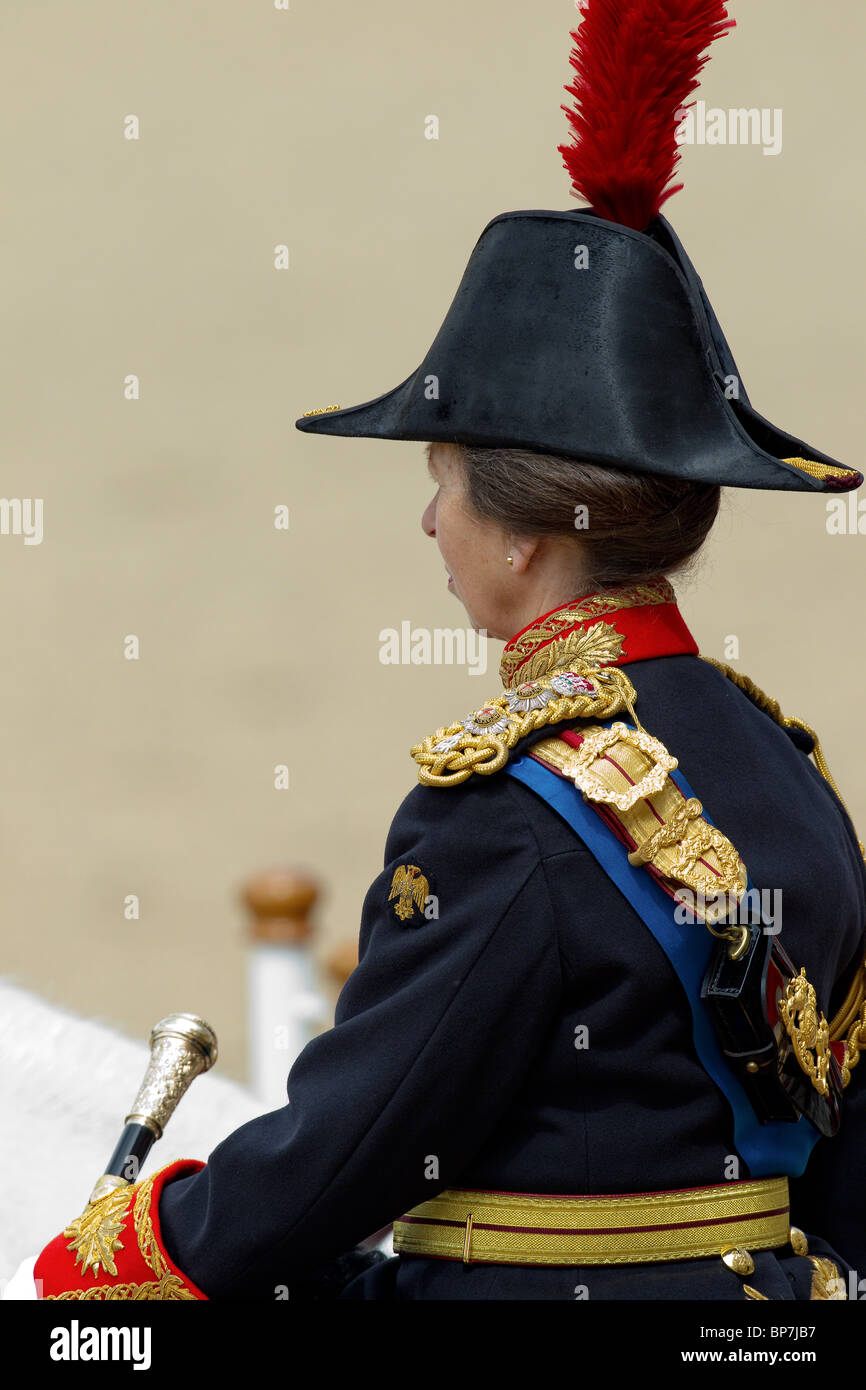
(523, 550)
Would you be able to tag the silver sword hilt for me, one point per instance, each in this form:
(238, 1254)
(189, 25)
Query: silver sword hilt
(182, 1046)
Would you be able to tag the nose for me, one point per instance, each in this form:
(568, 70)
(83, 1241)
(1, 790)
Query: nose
(428, 520)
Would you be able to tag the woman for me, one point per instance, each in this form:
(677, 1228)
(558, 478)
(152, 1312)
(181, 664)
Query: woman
(531, 1037)
(556, 1067)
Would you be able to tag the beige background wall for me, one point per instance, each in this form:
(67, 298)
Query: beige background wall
(155, 257)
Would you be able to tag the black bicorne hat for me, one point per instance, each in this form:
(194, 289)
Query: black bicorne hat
(573, 333)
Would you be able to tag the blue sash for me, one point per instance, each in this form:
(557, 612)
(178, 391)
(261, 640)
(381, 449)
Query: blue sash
(774, 1149)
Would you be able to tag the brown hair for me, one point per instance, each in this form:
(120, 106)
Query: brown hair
(639, 525)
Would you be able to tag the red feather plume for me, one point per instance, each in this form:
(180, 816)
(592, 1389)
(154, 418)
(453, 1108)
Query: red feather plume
(636, 62)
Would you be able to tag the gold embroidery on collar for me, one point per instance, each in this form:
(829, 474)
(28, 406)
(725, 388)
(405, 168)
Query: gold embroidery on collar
(558, 627)
(594, 646)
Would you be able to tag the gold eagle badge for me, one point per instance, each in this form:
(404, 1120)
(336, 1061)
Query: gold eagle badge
(410, 888)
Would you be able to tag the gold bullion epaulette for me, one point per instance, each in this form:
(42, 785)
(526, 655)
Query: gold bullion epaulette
(482, 742)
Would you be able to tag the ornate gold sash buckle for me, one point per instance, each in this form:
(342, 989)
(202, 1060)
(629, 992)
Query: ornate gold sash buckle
(596, 745)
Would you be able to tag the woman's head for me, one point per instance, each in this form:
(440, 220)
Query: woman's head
(568, 527)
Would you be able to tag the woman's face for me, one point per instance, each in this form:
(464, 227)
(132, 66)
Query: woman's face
(474, 550)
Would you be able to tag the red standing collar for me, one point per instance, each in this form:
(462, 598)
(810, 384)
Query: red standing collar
(610, 627)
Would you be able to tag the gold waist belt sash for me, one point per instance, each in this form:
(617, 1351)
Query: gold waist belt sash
(528, 1229)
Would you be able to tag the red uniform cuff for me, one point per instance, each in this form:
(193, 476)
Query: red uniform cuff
(114, 1249)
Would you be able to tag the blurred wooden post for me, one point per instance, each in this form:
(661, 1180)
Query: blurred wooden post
(285, 1009)
(341, 962)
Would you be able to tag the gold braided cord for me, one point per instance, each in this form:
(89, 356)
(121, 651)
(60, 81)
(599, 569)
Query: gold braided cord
(855, 1042)
(853, 1047)
(851, 1009)
(821, 470)
(520, 1228)
(486, 753)
(773, 708)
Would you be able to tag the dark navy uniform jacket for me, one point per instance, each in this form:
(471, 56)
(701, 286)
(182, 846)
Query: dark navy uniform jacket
(454, 1048)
